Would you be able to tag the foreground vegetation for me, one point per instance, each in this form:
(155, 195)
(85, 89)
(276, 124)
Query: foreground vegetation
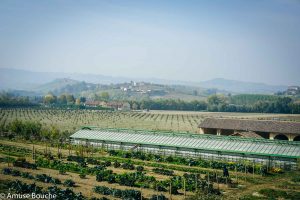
(117, 174)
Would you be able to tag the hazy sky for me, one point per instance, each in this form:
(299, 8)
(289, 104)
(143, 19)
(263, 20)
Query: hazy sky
(256, 40)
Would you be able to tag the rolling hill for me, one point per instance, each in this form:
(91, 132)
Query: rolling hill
(15, 79)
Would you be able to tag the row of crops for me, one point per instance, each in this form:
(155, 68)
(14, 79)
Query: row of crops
(132, 169)
(39, 177)
(138, 178)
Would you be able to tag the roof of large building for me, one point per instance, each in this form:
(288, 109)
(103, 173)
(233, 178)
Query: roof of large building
(223, 144)
(251, 125)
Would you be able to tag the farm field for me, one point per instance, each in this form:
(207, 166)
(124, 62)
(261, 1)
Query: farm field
(72, 120)
(101, 174)
(249, 186)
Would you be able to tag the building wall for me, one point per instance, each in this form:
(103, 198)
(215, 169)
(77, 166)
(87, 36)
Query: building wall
(265, 135)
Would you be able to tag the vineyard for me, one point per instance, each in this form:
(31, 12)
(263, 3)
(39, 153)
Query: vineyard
(157, 120)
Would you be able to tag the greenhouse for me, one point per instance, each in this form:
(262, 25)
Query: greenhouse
(273, 153)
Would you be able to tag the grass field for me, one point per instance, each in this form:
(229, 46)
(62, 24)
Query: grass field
(153, 120)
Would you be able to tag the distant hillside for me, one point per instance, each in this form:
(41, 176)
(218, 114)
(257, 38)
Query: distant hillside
(242, 87)
(122, 91)
(57, 84)
(15, 79)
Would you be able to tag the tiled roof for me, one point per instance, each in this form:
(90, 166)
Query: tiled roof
(251, 125)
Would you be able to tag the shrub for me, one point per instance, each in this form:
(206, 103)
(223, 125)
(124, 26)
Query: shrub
(273, 194)
(69, 183)
(163, 171)
(107, 163)
(296, 179)
(159, 197)
(27, 175)
(82, 175)
(92, 161)
(117, 164)
(43, 178)
(128, 166)
(111, 178)
(124, 194)
(62, 170)
(21, 162)
(55, 181)
(139, 168)
(15, 172)
(6, 171)
(78, 159)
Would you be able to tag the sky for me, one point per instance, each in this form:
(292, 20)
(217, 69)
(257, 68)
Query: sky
(257, 40)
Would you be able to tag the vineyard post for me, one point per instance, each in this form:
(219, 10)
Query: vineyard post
(157, 192)
(33, 152)
(57, 149)
(236, 176)
(196, 182)
(184, 186)
(69, 149)
(253, 169)
(171, 190)
(8, 159)
(245, 171)
(208, 177)
(218, 182)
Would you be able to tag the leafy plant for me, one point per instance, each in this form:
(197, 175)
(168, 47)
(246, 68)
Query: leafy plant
(69, 183)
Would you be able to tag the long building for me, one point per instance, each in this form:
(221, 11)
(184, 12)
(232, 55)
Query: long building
(277, 153)
(269, 129)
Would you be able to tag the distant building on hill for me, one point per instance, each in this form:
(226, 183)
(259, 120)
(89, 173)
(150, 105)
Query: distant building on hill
(122, 106)
(293, 90)
(95, 103)
(267, 129)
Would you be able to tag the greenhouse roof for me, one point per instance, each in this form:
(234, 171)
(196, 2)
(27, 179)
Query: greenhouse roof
(206, 142)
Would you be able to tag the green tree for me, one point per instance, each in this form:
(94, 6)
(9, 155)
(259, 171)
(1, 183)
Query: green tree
(50, 98)
(216, 99)
(77, 102)
(62, 99)
(70, 99)
(105, 96)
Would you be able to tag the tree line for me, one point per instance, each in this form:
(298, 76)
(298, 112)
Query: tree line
(31, 130)
(221, 103)
(214, 103)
